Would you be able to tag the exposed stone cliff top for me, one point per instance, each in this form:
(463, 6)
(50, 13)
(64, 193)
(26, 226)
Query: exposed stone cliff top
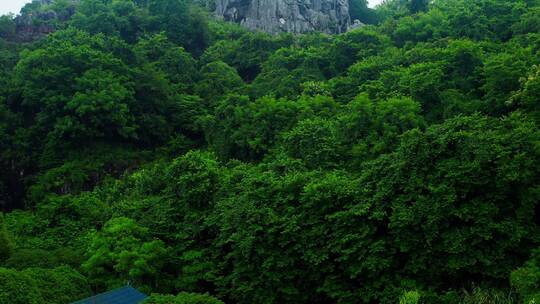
(294, 16)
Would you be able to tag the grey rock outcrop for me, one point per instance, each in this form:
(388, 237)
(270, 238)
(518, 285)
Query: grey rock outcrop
(293, 16)
(33, 26)
(355, 24)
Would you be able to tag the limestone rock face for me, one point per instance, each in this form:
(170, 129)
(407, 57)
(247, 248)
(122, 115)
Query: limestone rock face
(293, 16)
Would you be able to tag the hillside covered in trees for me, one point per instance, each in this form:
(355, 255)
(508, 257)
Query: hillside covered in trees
(145, 141)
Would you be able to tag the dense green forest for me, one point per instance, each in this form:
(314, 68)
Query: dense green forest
(145, 141)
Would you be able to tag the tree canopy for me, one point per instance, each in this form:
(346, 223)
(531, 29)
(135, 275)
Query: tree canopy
(145, 141)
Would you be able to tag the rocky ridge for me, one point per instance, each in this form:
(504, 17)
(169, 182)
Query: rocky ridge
(292, 16)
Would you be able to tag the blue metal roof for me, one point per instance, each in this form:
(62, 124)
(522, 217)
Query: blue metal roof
(124, 295)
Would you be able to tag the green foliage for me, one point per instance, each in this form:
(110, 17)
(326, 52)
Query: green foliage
(181, 22)
(286, 70)
(18, 288)
(502, 74)
(59, 285)
(193, 178)
(82, 171)
(479, 295)
(352, 47)
(121, 252)
(145, 141)
(84, 94)
(359, 10)
(38, 285)
(218, 79)
(247, 130)
(6, 245)
(527, 96)
(183, 298)
(246, 53)
(372, 128)
(23, 258)
(477, 20)
(442, 206)
(7, 27)
(410, 297)
(526, 279)
(314, 141)
(174, 61)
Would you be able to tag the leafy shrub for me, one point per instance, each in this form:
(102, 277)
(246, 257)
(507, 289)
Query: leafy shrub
(410, 297)
(183, 298)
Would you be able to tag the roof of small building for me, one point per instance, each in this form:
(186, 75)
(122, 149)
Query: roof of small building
(124, 295)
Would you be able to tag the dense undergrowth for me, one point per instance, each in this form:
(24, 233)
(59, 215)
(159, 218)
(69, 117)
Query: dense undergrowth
(145, 142)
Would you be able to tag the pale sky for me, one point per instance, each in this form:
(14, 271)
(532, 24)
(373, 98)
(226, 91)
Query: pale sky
(372, 3)
(14, 6)
(11, 6)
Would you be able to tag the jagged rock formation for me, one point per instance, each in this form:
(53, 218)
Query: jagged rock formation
(293, 16)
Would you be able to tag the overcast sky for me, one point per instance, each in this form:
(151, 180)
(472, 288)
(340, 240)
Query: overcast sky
(14, 6)
(11, 6)
(372, 3)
